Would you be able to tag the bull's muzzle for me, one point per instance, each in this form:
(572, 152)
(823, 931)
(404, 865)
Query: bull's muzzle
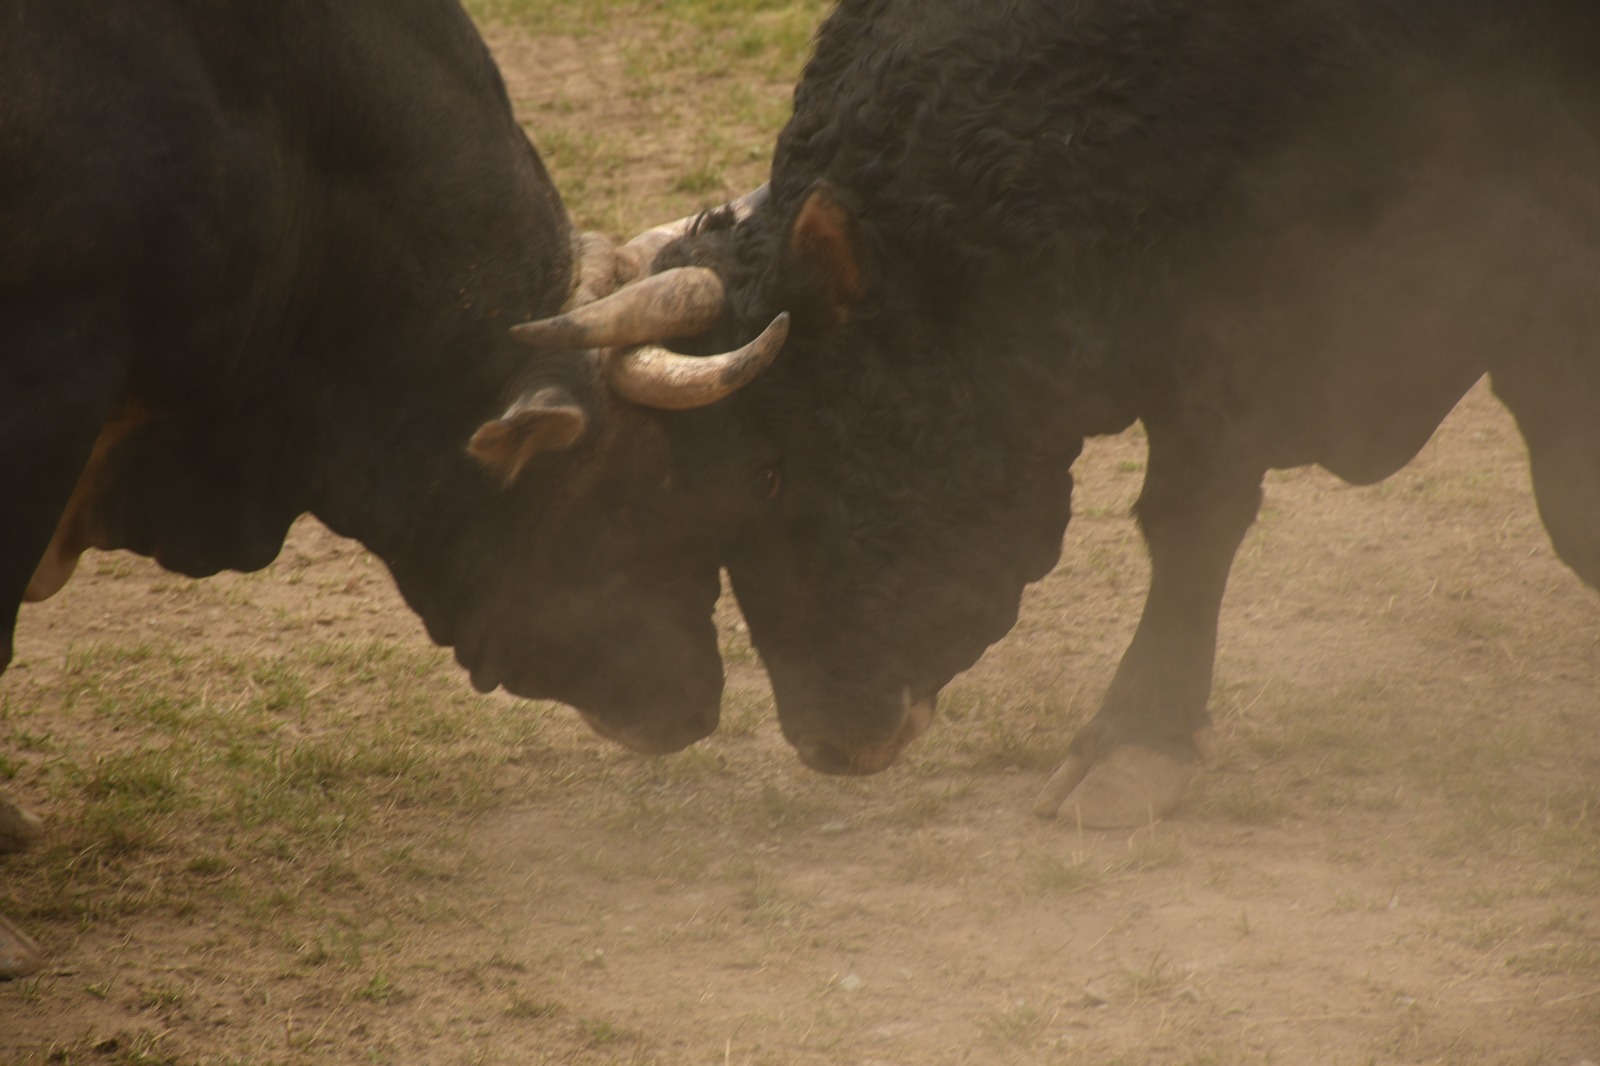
(832, 757)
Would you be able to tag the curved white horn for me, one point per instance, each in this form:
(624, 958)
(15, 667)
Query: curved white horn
(651, 376)
(594, 269)
(674, 303)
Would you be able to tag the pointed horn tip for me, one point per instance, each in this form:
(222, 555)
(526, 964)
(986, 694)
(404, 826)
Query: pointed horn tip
(763, 351)
(653, 376)
(770, 341)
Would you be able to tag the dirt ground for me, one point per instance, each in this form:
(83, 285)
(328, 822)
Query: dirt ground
(1395, 859)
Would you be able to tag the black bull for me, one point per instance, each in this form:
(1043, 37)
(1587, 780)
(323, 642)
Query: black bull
(1276, 232)
(259, 259)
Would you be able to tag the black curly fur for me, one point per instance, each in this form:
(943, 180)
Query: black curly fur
(1070, 214)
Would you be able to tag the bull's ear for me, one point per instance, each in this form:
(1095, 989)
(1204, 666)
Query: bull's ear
(823, 260)
(547, 420)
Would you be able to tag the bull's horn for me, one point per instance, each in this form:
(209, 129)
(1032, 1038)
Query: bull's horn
(674, 303)
(750, 202)
(635, 258)
(594, 269)
(654, 377)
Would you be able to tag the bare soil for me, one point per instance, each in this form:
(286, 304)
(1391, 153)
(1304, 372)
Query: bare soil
(1395, 859)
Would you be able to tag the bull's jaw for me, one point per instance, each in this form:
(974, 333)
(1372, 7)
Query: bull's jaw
(677, 703)
(655, 741)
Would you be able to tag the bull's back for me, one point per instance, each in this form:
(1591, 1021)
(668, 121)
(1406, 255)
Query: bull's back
(279, 226)
(223, 164)
(104, 108)
(1275, 209)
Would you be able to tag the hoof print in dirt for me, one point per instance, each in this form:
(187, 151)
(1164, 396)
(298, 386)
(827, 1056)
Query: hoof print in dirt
(18, 828)
(19, 955)
(1127, 788)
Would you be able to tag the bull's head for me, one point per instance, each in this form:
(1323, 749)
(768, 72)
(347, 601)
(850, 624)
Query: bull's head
(877, 557)
(588, 448)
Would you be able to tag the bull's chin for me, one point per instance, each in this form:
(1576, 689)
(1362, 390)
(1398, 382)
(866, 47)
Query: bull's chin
(488, 678)
(644, 743)
(674, 728)
(483, 681)
(859, 760)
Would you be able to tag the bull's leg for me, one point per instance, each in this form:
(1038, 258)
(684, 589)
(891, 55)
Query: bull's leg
(57, 386)
(1131, 763)
(19, 955)
(54, 396)
(18, 828)
(1557, 405)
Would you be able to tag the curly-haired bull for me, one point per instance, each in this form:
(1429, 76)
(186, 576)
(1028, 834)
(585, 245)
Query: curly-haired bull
(1274, 232)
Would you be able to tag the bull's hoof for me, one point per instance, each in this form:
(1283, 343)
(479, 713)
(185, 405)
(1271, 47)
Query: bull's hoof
(18, 828)
(19, 955)
(1128, 787)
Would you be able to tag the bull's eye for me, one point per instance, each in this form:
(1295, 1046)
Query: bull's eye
(767, 483)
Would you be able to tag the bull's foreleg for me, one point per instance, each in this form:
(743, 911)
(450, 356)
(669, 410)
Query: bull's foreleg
(56, 388)
(1557, 405)
(19, 955)
(1131, 763)
(18, 828)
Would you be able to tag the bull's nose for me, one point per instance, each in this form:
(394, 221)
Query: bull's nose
(830, 757)
(825, 756)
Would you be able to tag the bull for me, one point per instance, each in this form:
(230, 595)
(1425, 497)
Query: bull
(259, 260)
(1275, 232)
